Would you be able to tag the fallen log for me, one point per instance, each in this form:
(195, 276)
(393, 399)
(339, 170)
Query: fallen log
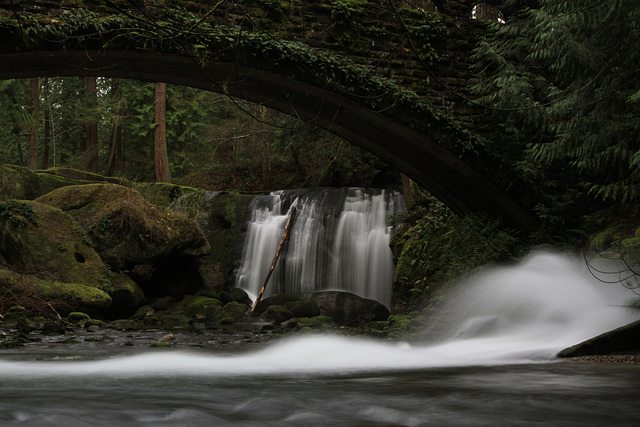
(287, 227)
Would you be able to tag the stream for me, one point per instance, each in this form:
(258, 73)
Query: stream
(492, 363)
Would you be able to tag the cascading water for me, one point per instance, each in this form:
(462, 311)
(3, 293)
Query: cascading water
(340, 241)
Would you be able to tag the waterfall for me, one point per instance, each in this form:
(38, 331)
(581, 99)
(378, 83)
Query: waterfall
(339, 241)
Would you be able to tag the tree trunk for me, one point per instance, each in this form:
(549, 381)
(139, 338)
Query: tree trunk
(163, 174)
(91, 127)
(47, 125)
(114, 164)
(33, 127)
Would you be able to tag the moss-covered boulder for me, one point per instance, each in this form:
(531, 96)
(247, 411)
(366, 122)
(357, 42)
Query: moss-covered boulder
(125, 228)
(232, 312)
(127, 295)
(44, 242)
(18, 182)
(277, 314)
(201, 308)
(37, 294)
(54, 178)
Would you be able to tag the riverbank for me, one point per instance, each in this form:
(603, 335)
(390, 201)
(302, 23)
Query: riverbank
(626, 359)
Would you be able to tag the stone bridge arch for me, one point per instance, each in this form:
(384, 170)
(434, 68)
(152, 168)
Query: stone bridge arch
(333, 91)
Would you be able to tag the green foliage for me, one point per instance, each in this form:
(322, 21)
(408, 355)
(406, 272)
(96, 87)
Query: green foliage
(435, 246)
(562, 78)
(342, 12)
(18, 213)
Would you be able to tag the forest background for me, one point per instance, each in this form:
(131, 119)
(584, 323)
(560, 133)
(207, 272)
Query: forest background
(110, 126)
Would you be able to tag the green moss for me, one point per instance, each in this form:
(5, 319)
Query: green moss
(176, 321)
(200, 307)
(277, 314)
(232, 312)
(61, 295)
(18, 213)
(77, 317)
(17, 182)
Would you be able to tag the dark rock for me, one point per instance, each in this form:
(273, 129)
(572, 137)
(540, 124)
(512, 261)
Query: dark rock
(240, 295)
(343, 307)
(621, 340)
(277, 314)
(232, 312)
(303, 308)
(53, 328)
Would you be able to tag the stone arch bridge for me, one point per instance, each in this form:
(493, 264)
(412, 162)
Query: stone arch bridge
(388, 75)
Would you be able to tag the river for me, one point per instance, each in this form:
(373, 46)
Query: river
(205, 388)
(493, 364)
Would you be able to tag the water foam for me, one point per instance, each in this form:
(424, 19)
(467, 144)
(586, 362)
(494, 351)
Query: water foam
(521, 314)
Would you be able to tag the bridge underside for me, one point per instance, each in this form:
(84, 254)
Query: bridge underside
(432, 166)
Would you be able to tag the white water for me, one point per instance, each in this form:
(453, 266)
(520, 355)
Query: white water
(515, 315)
(339, 241)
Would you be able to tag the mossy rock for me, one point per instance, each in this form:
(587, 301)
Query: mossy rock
(142, 312)
(64, 297)
(277, 314)
(232, 312)
(200, 307)
(125, 293)
(618, 229)
(76, 317)
(176, 321)
(54, 178)
(44, 242)
(126, 229)
(18, 182)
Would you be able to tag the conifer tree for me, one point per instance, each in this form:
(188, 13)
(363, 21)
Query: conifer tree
(562, 79)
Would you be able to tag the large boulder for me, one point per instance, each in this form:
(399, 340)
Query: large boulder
(54, 178)
(44, 242)
(128, 231)
(18, 182)
(344, 308)
(42, 295)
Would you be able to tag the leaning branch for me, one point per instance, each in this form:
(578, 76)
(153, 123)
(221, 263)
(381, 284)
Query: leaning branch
(292, 216)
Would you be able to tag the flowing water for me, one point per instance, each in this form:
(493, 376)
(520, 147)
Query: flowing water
(339, 241)
(493, 365)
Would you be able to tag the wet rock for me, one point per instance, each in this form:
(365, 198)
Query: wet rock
(168, 337)
(53, 328)
(77, 317)
(277, 314)
(343, 308)
(623, 339)
(303, 308)
(232, 312)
